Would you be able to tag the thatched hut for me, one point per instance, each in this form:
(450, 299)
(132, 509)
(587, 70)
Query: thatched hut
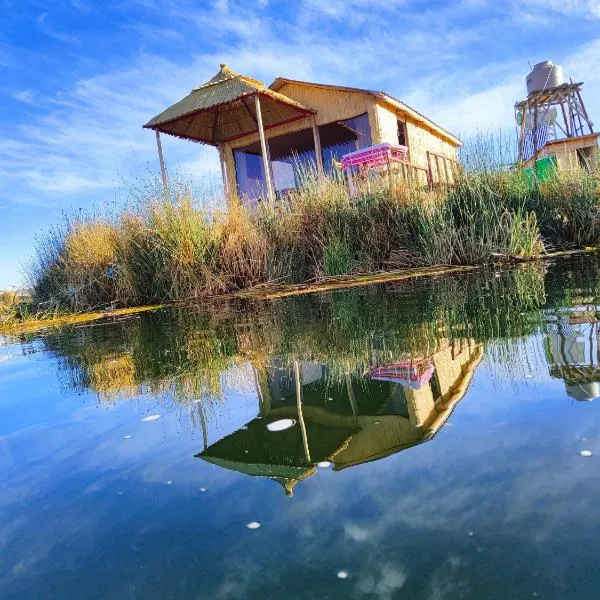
(267, 135)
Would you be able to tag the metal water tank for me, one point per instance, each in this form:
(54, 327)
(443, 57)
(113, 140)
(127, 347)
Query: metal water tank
(543, 76)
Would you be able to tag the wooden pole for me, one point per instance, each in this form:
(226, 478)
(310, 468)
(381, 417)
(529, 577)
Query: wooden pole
(318, 151)
(299, 407)
(224, 171)
(522, 134)
(263, 147)
(163, 171)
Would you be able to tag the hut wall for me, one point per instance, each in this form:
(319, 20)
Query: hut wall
(449, 369)
(336, 105)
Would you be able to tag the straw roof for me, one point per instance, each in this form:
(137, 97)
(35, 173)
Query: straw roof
(281, 82)
(223, 109)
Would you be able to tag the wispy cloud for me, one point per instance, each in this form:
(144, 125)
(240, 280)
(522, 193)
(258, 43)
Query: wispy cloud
(26, 96)
(45, 27)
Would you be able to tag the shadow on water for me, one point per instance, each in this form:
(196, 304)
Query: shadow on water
(342, 378)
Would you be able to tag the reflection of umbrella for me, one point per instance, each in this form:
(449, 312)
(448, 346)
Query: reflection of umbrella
(413, 374)
(279, 455)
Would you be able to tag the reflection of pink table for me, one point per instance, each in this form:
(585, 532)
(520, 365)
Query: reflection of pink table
(372, 158)
(413, 374)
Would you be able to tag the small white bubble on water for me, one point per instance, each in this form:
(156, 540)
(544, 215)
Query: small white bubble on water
(324, 464)
(150, 418)
(203, 489)
(127, 437)
(169, 483)
(586, 453)
(342, 574)
(253, 525)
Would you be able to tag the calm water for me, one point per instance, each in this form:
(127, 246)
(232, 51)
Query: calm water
(432, 447)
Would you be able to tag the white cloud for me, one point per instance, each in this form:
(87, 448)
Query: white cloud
(26, 96)
(45, 27)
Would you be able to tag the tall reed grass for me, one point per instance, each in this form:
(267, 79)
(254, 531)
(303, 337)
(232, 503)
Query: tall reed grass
(171, 249)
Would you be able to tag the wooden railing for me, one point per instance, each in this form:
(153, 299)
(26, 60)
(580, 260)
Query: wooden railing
(441, 169)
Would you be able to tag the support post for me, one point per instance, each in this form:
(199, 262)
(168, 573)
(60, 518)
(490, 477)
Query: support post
(318, 151)
(522, 133)
(224, 171)
(263, 147)
(163, 171)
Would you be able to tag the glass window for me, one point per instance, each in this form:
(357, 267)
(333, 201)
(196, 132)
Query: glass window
(360, 125)
(402, 133)
(250, 174)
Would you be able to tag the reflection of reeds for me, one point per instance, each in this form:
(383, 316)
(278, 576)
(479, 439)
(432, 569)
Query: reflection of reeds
(186, 355)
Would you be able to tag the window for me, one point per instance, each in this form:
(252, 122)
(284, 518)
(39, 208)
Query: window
(402, 138)
(250, 174)
(360, 125)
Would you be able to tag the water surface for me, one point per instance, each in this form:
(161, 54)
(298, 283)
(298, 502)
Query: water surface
(433, 449)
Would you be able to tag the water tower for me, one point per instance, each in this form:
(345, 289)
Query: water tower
(553, 111)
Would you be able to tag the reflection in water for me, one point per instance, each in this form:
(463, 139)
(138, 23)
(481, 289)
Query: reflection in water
(96, 503)
(363, 373)
(360, 418)
(573, 354)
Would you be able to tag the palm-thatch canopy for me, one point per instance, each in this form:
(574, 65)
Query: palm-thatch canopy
(224, 109)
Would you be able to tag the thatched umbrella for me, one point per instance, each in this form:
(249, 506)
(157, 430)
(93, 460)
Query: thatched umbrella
(227, 107)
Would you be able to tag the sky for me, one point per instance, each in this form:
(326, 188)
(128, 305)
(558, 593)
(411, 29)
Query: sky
(79, 78)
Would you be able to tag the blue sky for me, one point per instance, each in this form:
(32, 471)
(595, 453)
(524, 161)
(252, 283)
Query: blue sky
(80, 78)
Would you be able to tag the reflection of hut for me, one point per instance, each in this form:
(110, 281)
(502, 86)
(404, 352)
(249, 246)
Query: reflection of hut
(573, 354)
(350, 421)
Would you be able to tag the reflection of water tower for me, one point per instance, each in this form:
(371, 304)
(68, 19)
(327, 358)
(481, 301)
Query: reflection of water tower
(554, 127)
(573, 354)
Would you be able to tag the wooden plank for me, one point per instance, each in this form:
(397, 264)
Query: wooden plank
(263, 146)
(429, 172)
(446, 169)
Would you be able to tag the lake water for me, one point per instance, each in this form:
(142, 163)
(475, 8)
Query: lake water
(417, 440)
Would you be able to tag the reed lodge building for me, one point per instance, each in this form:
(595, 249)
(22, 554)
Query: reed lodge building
(266, 136)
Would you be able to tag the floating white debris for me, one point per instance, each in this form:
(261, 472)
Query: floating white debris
(245, 451)
(150, 418)
(281, 424)
(324, 464)
(470, 534)
(253, 525)
(202, 490)
(169, 483)
(376, 422)
(342, 574)
(127, 437)
(586, 453)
